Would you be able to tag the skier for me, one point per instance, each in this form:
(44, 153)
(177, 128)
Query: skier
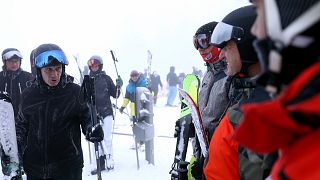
(104, 89)
(13, 80)
(173, 81)
(50, 116)
(213, 95)
(136, 80)
(155, 82)
(290, 122)
(228, 160)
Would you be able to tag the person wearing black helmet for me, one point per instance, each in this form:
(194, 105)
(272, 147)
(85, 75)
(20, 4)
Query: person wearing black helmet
(13, 80)
(50, 116)
(104, 89)
(288, 42)
(213, 97)
(228, 160)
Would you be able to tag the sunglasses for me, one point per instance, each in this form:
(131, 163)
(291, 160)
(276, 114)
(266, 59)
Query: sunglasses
(201, 41)
(47, 57)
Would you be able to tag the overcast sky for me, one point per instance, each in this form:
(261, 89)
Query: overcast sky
(129, 27)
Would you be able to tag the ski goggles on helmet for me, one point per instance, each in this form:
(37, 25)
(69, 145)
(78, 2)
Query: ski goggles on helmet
(201, 41)
(46, 58)
(11, 54)
(92, 62)
(223, 33)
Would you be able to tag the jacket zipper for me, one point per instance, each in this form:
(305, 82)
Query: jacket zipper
(20, 88)
(73, 144)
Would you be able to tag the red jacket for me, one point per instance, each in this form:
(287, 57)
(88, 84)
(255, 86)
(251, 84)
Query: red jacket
(290, 124)
(223, 154)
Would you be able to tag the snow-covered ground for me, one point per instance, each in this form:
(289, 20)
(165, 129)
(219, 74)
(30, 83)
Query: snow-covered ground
(125, 157)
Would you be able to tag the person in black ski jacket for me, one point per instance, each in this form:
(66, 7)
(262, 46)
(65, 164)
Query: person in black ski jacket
(50, 116)
(13, 80)
(104, 89)
(173, 81)
(154, 85)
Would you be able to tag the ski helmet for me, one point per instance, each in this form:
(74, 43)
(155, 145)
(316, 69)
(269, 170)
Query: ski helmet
(49, 54)
(236, 26)
(292, 42)
(11, 53)
(134, 73)
(95, 60)
(201, 40)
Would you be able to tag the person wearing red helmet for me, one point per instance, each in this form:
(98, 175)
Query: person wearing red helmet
(288, 44)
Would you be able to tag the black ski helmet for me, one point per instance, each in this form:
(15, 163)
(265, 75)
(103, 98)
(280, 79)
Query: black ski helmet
(244, 18)
(206, 28)
(10, 53)
(293, 41)
(47, 55)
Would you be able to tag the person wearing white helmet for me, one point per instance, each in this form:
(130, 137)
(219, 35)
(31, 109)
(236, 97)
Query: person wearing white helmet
(13, 80)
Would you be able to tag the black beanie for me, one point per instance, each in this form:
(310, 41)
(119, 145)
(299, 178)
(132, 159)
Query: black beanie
(244, 17)
(207, 28)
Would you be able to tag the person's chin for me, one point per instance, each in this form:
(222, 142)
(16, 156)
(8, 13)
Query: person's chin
(54, 83)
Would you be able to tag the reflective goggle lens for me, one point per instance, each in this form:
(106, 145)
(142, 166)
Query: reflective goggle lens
(201, 41)
(92, 62)
(46, 58)
(11, 54)
(224, 33)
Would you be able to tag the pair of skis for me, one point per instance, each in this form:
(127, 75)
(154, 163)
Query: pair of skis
(189, 117)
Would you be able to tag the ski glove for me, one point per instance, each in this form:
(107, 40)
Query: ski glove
(119, 82)
(121, 110)
(197, 169)
(177, 129)
(95, 134)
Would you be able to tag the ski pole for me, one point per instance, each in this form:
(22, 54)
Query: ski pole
(89, 92)
(116, 107)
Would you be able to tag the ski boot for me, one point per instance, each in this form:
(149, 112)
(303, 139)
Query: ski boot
(110, 162)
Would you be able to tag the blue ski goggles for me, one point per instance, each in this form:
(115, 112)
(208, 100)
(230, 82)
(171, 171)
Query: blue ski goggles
(46, 58)
(223, 33)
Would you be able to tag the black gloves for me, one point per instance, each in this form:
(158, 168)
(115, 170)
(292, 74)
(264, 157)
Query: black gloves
(177, 129)
(197, 169)
(119, 82)
(95, 134)
(121, 110)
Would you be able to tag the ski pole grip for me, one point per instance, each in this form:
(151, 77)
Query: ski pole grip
(113, 57)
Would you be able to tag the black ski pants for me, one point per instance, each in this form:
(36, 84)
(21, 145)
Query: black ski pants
(73, 175)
